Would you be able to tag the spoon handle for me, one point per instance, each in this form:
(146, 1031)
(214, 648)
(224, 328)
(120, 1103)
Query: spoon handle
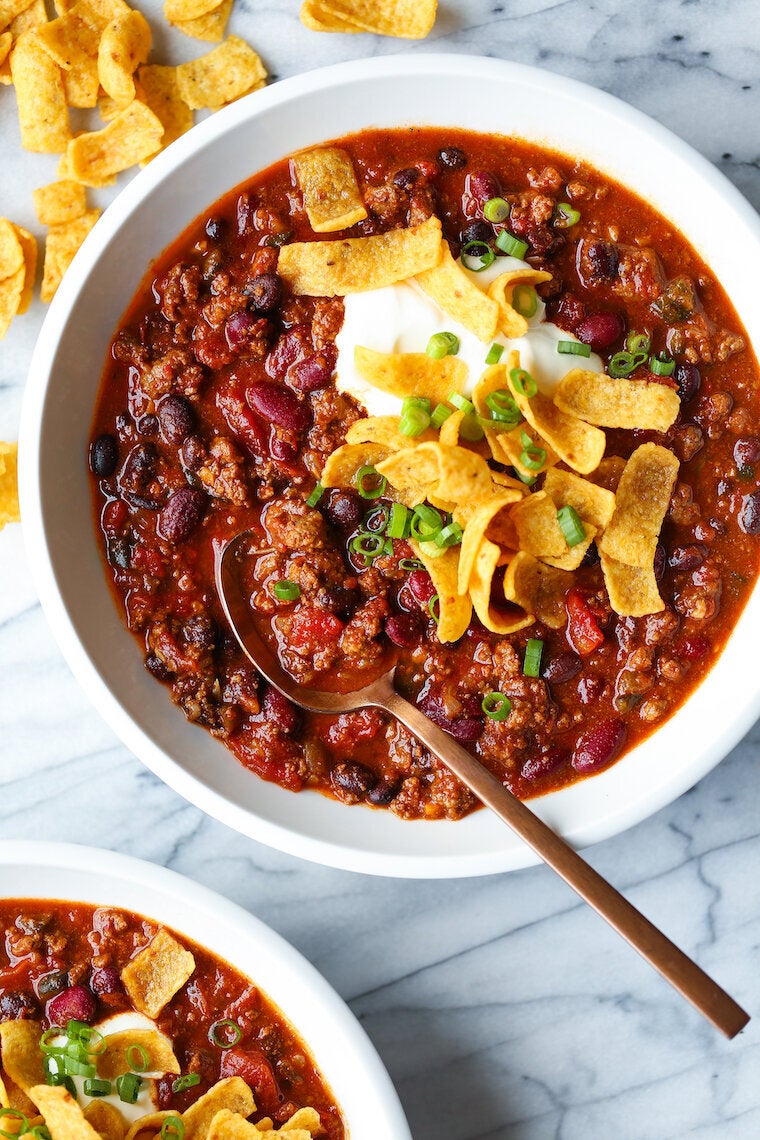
(685, 975)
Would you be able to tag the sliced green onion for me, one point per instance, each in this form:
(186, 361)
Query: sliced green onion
(624, 363)
(461, 403)
(434, 607)
(637, 342)
(77, 1029)
(315, 496)
(415, 402)
(528, 480)
(426, 523)
(40, 1132)
(128, 1087)
(398, 522)
(388, 546)
(571, 525)
(470, 429)
(369, 546)
(451, 535)
(64, 1080)
(188, 1081)
(503, 406)
(413, 422)
(77, 1068)
(364, 482)
(411, 564)
(138, 1057)
(432, 550)
(48, 1037)
(477, 256)
(573, 348)
(15, 1115)
(511, 245)
(495, 353)
(225, 1033)
(525, 300)
(566, 216)
(662, 365)
(439, 415)
(523, 382)
(532, 661)
(532, 456)
(496, 210)
(497, 425)
(496, 706)
(376, 520)
(94, 1086)
(284, 591)
(442, 344)
(172, 1128)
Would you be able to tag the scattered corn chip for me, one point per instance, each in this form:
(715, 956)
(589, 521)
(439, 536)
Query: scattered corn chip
(315, 17)
(114, 1060)
(574, 555)
(411, 373)
(538, 530)
(94, 157)
(408, 19)
(342, 465)
(384, 430)
(451, 288)
(539, 589)
(42, 111)
(330, 191)
(11, 297)
(232, 1094)
(356, 265)
(105, 1119)
(80, 82)
(6, 41)
(454, 610)
(124, 45)
(19, 1040)
(29, 246)
(641, 502)
(209, 27)
(148, 1126)
(159, 90)
(62, 243)
(11, 250)
(155, 975)
(498, 617)
(617, 401)
(593, 504)
(63, 1115)
(10, 9)
(221, 75)
(512, 323)
(177, 11)
(476, 529)
(578, 444)
(632, 590)
(59, 202)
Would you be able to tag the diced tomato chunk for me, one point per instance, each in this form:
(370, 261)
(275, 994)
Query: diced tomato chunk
(314, 627)
(583, 632)
(255, 1070)
(242, 422)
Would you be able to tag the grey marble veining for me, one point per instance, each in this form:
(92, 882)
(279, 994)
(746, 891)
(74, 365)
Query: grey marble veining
(503, 1008)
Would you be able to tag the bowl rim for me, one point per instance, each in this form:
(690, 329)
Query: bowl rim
(175, 890)
(341, 855)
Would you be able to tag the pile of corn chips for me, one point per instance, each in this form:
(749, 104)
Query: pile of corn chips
(407, 19)
(151, 980)
(9, 509)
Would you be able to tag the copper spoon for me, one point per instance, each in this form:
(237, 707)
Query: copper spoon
(685, 975)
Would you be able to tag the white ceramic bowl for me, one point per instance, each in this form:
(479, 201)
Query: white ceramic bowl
(481, 94)
(344, 1054)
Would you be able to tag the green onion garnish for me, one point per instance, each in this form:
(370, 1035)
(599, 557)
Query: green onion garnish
(523, 382)
(284, 591)
(477, 256)
(528, 480)
(502, 406)
(662, 365)
(532, 662)
(511, 245)
(376, 520)
(525, 300)
(451, 535)
(40, 1132)
(495, 353)
(225, 1033)
(128, 1087)
(573, 348)
(15, 1115)
(415, 413)
(188, 1081)
(315, 496)
(398, 521)
(367, 485)
(138, 1057)
(62, 1079)
(566, 216)
(496, 706)
(439, 415)
(571, 525)
(442, 344)
(461, 403)
(624, 363)
(426, 522)
(470, 429)
(496, 210)
(48, 1037)
(77, 1068)
(411, 564)
(369, 546)
(434, 608)
(532, 456)
(94, 1086)
(637, 342)
(172, 1128)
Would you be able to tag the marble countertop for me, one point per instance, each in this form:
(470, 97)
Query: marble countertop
(502, 1006)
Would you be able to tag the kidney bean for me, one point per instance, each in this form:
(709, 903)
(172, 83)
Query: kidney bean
(292, 346)
(278, 405)
(477, 231)
(688, 379)
(238, 328)
(562, 668)
(452, 158)
(421, 585)
(692, 648)
(148, 426)
(181, 514)
(482, 185)
(265, 291)
(344, 509)
(17, 1006)
(747, 451)
(537, 766)
(383, 793)
(404, 630)
(314, 371)
(76, 1002)
(600, 330)
(281, 449)
(104, 456)
(106, 980)
(339, 600)
(749, 513)
(465, 729)
(599, 746)
(352, 781)
(406, 177)
(602, 259)
(241, 422)
(281, 711)
(176, 418)
(688, 557)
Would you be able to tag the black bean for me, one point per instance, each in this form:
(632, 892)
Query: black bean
(749, 513)
(119, 553)
(265, 292)
(406, 177)
(215, 228)
(602, 259)
(452, 158)
(477, 231)
(688, 557)
(344, 509)
(52, 983)
(383, 793)
(352, 781)
(688, 379)
(104, 456)
(157, 667)
(148, 425)
(181, 514)
(139, 468)
(339, 600)
(176, 417)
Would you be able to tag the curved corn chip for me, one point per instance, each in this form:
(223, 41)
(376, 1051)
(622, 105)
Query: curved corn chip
(539, 589)
(176, 11)
(11, 295)
(512, 323)
(159, 90)
(455, 610)
(537, 526)
(578, 444)
(384, 430)
(507, 446)
(641, 502)
(155, 975)
(331, 195)
(124, 45)
(356, 265)
(632, 590)
(318, 19)
(113, 1060)
(59, 202)
(498, 619)
(106, 1119)
(29, 246)
(42, 112)
(412, 473)
(63, 1115)
(6, 43)
(148, 1125)
(60, 248)
(11, 1096)
(411, 373)
(449, 435)
(209, 27)
(409, 19)
(22, 1057)
(617, 401)
(452, 289)
(133, 135)
(11, 250)
(593, 504)
(231, 1093)
(574, 555)
(220, 76)
(341, 467)
(478, 522)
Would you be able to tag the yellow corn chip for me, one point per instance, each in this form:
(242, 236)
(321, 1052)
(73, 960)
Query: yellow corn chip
(221, 75)
(474, 533)
(507, 446)
(578, 444)
(11, 1096)
(454, 610)
(538, 530)
(228, 1125)
(341, 467)
(463, 476)
(105, 1119)
(641, 502)
(42, 112)
(80, 82)
(32, 17)
(72, 38)
(59, 202)
(60, 247)
(411, 373)
(177, 11)
(617, 401)
(6, 41)
(539, 589)
(498, 617)
(159, 90)
(155, 975)
(451, 288)
(356, 265)
(11, 296)
(63, 1115)
(114, 1060)
(408, 19)
(232, 1093)
(124, 45)
(11, 250)
(314, 16)
(19, 1040)
(632, 590)
(593, 504)
(29, 246)
(574, 555)
(10, 9)
(209, 27)
(331, 195)
(384, 430)
(148, 1126)
(512, 323)
(96, 156)
(412, 473)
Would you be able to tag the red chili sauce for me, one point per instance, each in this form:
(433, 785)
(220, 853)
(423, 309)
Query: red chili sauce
(60, 960)
(217, 412)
